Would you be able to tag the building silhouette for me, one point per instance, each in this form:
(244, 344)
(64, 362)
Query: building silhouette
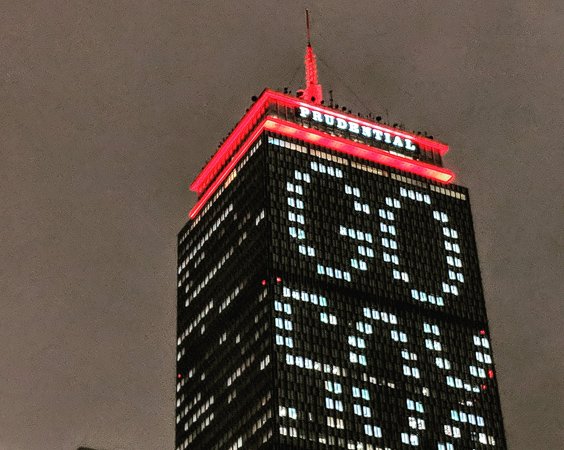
(329, 293)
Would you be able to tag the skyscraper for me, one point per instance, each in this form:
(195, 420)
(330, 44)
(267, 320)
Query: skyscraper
(329, 293)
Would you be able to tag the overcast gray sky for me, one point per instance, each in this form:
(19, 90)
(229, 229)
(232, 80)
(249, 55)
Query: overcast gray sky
(110, 108)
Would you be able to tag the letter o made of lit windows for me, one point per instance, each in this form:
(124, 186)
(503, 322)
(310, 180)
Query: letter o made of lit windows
(454, 279)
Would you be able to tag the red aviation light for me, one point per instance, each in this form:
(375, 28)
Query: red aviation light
(263, 282)
(179, 376)
(490, 373)
(278, 280)
(483, 332)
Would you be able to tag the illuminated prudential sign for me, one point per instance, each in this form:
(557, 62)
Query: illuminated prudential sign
(357, 128)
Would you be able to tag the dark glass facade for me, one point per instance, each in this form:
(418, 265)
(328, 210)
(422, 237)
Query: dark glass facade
(325, 301)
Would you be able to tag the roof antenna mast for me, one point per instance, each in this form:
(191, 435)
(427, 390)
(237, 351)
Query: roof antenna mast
(313, 91)
(307, 28)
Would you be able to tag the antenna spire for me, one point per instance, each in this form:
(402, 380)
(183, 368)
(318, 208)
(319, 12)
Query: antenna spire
(313, 91)
(307, 28)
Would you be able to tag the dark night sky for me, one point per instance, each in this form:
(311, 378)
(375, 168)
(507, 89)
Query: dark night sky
(109, 109)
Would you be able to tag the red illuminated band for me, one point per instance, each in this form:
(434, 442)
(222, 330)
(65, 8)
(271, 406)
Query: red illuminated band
(226, 171)
(326, 140)
(228, 147)
(358, 150)
(207, 175)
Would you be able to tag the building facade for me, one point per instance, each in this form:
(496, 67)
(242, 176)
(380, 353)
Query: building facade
(329, 293)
